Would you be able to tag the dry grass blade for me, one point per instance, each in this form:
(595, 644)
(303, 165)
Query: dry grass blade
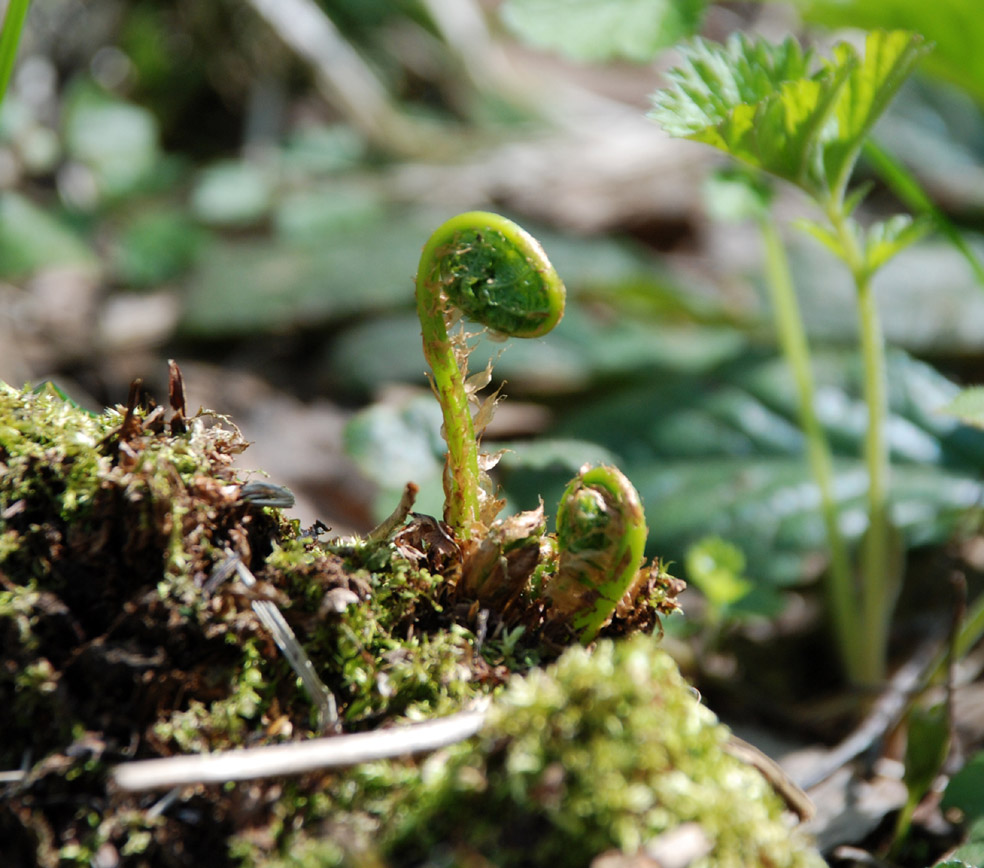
(287, 642)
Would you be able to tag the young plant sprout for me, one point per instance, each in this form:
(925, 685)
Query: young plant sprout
(804, 119)
(495, 273)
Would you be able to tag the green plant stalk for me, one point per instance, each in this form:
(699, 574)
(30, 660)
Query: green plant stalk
(497, 274)
(13, 24)
(792, 339)
(878, 585)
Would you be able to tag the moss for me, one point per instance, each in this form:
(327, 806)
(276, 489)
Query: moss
(607, 749)
(114, 530)
(603, 750)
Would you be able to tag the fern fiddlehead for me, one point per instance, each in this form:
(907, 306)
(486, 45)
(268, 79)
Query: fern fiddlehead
(601, 537)
(495, 273)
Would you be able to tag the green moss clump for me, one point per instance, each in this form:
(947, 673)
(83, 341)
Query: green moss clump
(603, 750)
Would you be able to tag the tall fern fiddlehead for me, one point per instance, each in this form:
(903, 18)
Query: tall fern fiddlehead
(494, 273)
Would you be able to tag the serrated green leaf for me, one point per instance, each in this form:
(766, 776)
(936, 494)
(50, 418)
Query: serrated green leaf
(713, 80)
(885, 239)
(888, 60)
(955, 27)
(904, 184)
(760, 102)
(779, 109)
(597, 30)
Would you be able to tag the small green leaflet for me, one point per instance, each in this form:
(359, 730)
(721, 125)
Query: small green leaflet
(717, 568)
(596, 30)
(782, 110)
(880, 241)
(886, 238)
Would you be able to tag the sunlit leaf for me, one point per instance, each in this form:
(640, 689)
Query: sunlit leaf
(763, 103)
(394, 444)
(904, 184)
(256, 286)
(782, 110)
(725, 455)
(955, 27)
(157, 246)
(971, 852)
(232, 193)
(604, 29)
(880, 242)
(888, 60)
(824, 234)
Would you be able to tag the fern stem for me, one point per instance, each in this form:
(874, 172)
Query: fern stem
(495, 273)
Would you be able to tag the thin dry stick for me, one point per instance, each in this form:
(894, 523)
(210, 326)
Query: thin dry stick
(885, 713)
(271, 618)
(299, 757)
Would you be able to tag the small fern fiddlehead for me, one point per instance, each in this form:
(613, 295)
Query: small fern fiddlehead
(601, 537)
(495, 273)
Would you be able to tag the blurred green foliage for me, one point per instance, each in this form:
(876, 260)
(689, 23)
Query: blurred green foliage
(954, 27)
(155, 182)
(592, 31)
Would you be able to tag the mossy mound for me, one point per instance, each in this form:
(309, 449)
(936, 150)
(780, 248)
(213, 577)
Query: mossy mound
(604, 751)
(121, 640)
(607, 749)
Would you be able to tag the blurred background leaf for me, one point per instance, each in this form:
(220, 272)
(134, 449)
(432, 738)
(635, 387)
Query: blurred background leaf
(589, 30)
